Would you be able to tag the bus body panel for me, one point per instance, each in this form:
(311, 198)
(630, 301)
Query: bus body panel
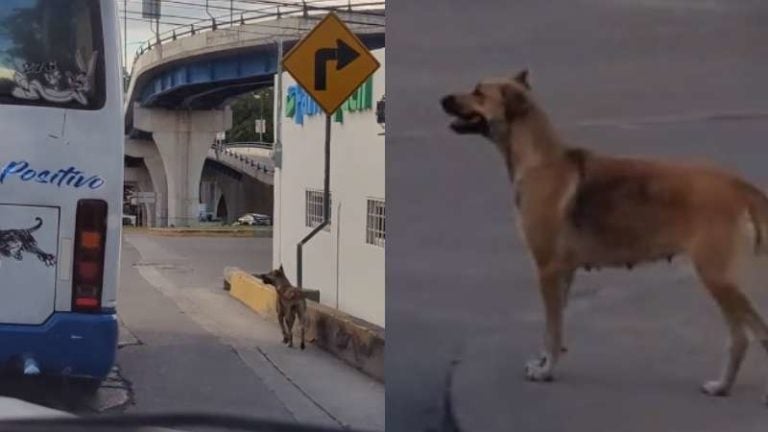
(28, 240)
(68, 344)
(50, 158)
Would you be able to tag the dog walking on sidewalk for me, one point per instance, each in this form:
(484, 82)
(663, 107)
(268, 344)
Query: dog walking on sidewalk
(577, 209)
(291, 304)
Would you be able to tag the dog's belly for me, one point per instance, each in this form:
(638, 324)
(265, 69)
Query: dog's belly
(584, 249)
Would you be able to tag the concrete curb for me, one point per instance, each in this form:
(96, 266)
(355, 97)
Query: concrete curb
(355, 341)
(210, 232)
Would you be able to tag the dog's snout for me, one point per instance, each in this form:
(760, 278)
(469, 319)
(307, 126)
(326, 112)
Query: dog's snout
(448, 103)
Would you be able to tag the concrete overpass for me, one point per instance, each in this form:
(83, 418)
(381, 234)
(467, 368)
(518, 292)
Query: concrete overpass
(236, 179)
(180, 88)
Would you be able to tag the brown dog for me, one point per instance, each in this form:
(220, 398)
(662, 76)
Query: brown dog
(582, 210)
(291, 304)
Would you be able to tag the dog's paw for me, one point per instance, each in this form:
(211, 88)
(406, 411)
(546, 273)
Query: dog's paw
(285, 339)
(302, 345)
(539, 370)
(714, 388)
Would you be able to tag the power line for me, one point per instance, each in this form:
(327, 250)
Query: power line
(198, 20)
(249, 11)
(238, 29)
(273, 3)
(202, 19)
(193, 5)
(310, 4)
(151, 21)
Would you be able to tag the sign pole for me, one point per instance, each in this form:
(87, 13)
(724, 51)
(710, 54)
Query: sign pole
(330, 63)
(326, 203)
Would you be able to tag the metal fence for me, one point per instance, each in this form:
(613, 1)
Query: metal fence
(277, 11)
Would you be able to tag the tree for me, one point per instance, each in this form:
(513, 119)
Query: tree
(246, 110)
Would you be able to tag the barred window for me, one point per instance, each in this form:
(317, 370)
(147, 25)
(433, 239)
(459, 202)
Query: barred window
(314, 209)
(375, 230)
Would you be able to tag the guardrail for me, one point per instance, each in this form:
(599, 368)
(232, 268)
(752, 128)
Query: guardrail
(223, 150)
(277, 11)
(249, 144)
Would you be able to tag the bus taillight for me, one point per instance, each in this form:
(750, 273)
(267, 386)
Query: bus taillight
(90, 236)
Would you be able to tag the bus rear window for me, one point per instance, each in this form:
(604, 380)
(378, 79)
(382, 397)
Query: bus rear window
(51, 53)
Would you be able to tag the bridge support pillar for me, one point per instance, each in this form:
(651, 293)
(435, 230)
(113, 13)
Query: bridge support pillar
(148, 151)
(183, 139)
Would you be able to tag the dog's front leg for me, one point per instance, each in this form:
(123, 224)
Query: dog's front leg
(551, 287)
(566, 287)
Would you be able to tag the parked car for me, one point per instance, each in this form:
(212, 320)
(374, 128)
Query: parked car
(206, 217)
(251, 219)
(129, 220)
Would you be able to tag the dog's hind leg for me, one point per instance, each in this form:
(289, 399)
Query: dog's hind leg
(759, 330)
(302, 312)
(716, 268)
(757, 326)
(281, 320)
(303, 327)
(727, 296)
(289, 320)
(551, 286)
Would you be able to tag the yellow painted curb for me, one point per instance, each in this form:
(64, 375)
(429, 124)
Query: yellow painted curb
(253, 293)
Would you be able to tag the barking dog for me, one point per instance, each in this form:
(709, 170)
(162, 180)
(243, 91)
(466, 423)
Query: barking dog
(578, 209)
(291, 304)
(13, 242)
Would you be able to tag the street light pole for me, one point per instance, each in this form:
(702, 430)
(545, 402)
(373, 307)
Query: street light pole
(125, 45)
(263, 122)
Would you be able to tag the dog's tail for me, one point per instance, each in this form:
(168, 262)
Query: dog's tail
(757, 206)
(37, 226)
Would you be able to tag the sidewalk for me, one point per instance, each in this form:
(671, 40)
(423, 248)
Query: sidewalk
(314, 386)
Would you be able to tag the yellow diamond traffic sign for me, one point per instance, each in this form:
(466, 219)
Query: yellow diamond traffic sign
(330, 63)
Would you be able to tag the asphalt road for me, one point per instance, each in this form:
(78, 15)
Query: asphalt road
(681, 79)
(199, 350)
(187, 346)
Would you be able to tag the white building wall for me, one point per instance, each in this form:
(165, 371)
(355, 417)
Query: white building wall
(348, 272)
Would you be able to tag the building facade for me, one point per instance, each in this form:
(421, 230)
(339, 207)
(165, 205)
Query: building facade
(345, 261)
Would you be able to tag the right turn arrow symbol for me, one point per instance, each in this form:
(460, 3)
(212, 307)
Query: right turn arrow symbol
(343, 54)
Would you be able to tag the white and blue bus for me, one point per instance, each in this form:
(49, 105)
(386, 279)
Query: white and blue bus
(61, 179)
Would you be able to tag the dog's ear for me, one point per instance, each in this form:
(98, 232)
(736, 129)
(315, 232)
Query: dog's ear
(516, 103)
(522, 78)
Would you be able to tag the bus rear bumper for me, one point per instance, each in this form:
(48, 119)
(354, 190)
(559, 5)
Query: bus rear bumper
(70, 344)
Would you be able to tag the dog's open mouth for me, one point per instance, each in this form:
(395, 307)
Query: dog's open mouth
(473, 123)
(465, 121)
